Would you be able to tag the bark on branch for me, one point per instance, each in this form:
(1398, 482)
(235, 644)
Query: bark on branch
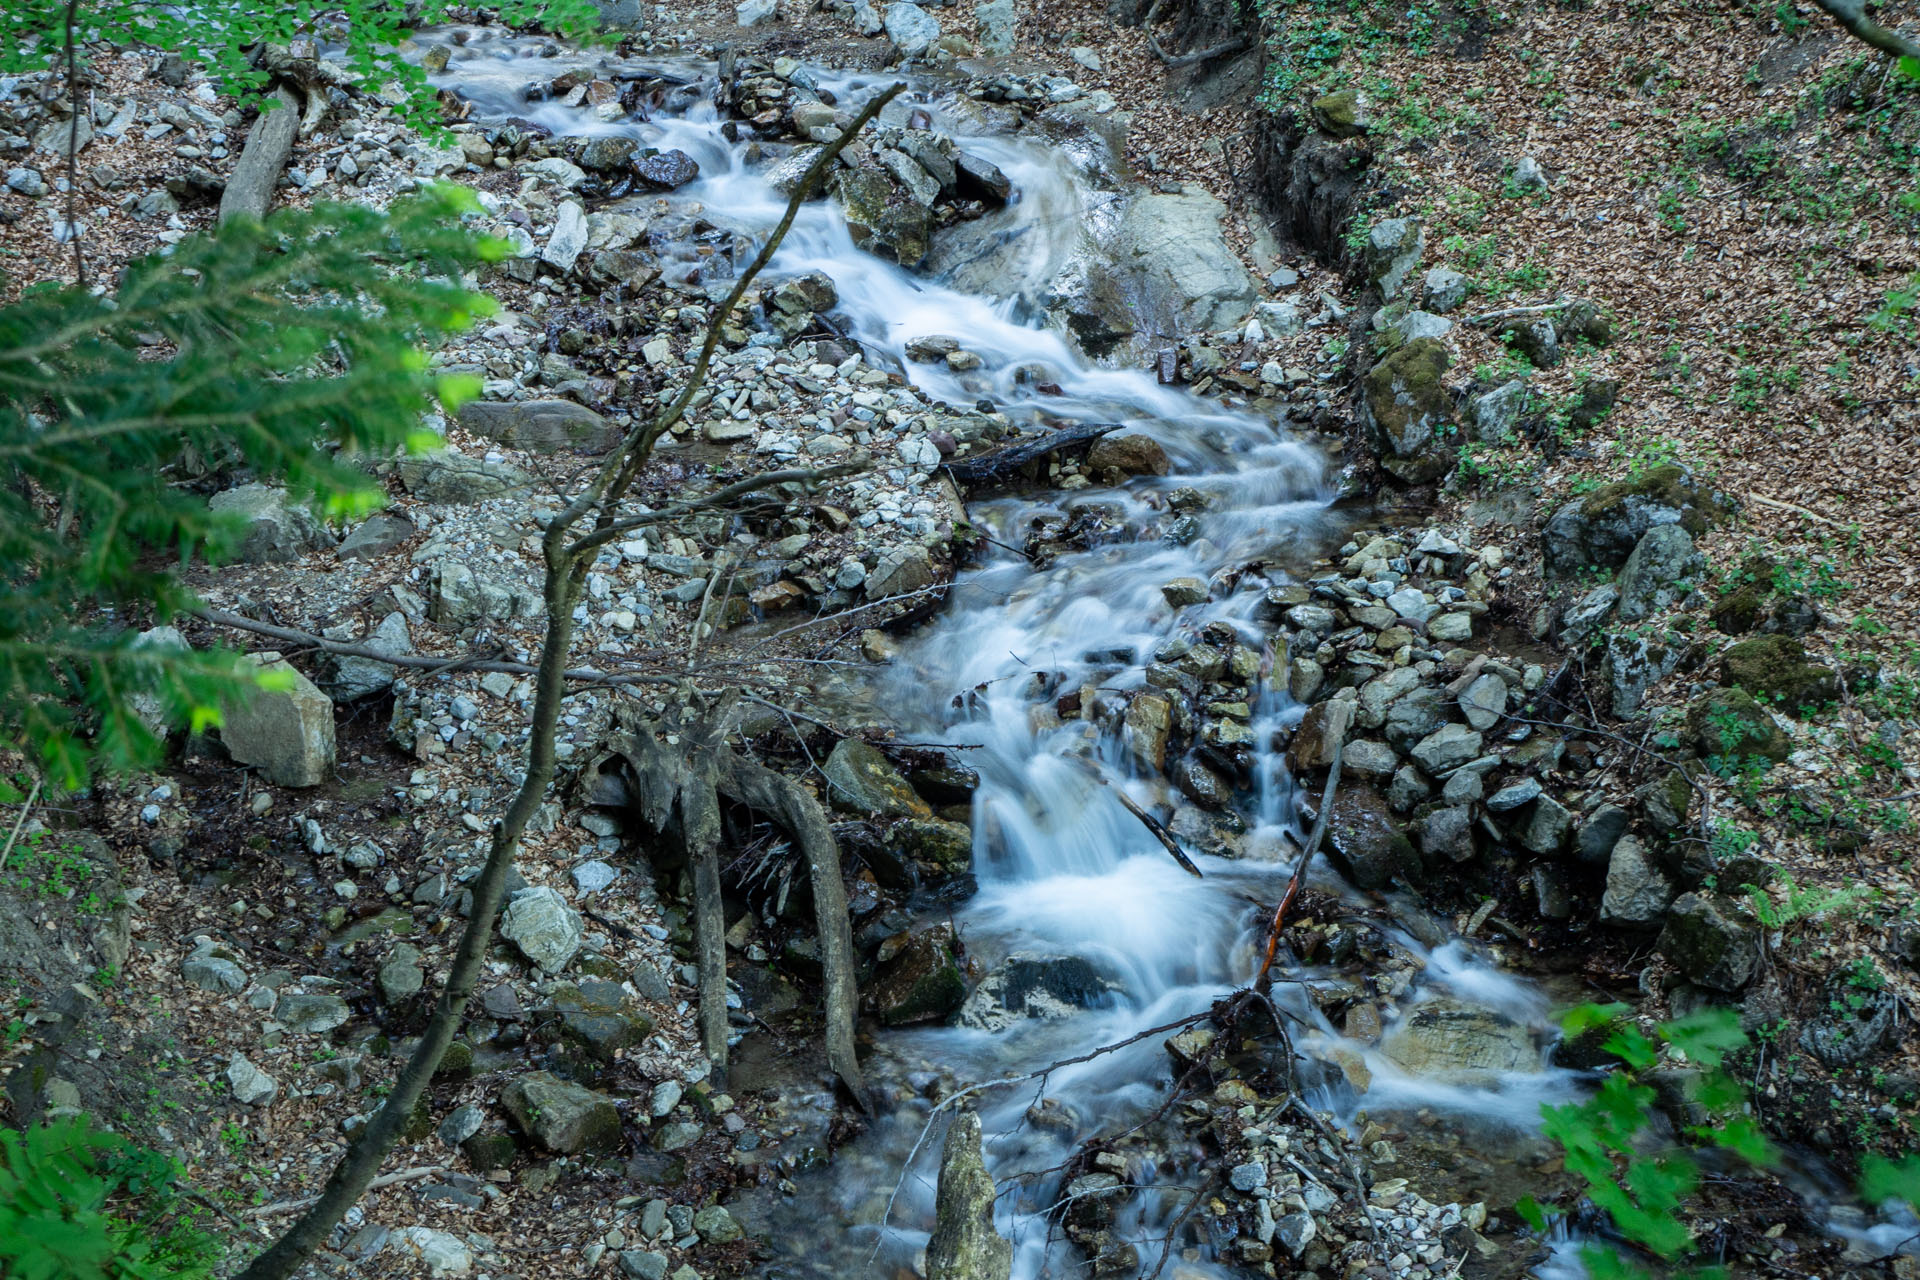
(1852, 14)
(249, 191)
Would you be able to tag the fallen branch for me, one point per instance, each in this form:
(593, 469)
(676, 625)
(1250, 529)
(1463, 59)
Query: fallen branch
(1159, 829)
(1514, 313)
(26, 807)
(1852, 14)
(384, 1180)
(995, 464)
(1778, 505)
(269, 143)
(1262, 982)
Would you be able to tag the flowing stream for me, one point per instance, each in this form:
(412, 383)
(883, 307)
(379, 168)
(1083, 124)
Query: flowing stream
(1063, 868)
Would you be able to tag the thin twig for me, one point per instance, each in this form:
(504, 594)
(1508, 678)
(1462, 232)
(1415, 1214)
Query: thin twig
(1261, 981)
(26, 808)
(1160, 832)
(73, 146)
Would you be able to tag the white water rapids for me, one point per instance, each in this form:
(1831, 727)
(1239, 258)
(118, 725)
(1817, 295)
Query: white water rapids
(1063, 868)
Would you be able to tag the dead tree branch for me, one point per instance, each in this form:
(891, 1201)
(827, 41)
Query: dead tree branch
(1852, 14)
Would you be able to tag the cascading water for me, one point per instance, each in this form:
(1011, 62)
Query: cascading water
(1063, 868)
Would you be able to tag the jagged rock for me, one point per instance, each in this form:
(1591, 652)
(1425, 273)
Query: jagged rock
(1394, 246)
(378, 534)
(1492, 416)
(1658, 572)
(1776, 667)
(274, 531)
(287, 732)
(667, 170)
(911, 28)
(400, 977)
(1446, 749)
(462, 598)
(1634, 664)
(860, 780)
(454, 478)
(1460, 1043)
(539, 426)
(544, 927)
(600, 1017)
(976, 178)
(1638, 891)
(569, 238)
(1603, 527)
(1484, 701)
(608, 154)
(1729, 723)
(1443, 289)
(1708, 943)
(1363, 842)
(1033, 986)
(1405, 403)
(1148, 722)
(1585, 615)
(251, 1086)
(1547, 827)
(1169, 266)
(940, 846)
(1600, 831)
(922, 982)
(564, 1118)
(1132, 453)
(882, 218)
(964, 1245)
(900, 570)
(1447, 832)
(441, 1252)
(715, 1225)
(355, 678)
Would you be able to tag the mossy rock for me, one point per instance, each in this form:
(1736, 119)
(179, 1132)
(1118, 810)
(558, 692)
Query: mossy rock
(456, 1063)
(1776, 668)
(1604, 527)
(1342, 113)
(945, 848)
(1668, 486)
(1405, 400)
(1728, 722)
(420, 1124)
(490, 1150)
(1707, 941)
(922, 982)
(600, 1017)
(1365, 843)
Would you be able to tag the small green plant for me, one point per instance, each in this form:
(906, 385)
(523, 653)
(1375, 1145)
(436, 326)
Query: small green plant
(77, 1203)
(1802, 903)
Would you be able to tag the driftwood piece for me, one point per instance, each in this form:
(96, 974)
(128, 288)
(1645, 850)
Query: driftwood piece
(1159, 830)
(249, 191)
(995, 465)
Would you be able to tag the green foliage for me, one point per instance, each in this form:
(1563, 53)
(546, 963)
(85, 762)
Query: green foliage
(1606, 1138)
(287, 348)
(222, 33)
(80, 1204)
(1805, 903)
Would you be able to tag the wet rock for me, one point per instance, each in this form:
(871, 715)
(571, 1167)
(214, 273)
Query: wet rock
(667, 170)
(251, 1086)
(1658, 574)
(1131, 453)
(1603, 527)
(1148, 722)
(1178, 266)
(882, 218)
(979, 179)
(964, 1245)
(861, 780)
(911, 28)
(939, 846)
(1405, 404)
(564, 1118)
(1730, 724)
(715, 1225)
(355, 678)
(1394, 247)
(378, 534)
(1776, 667)
(1365, 844)
(287, 732)
(1182, 592)
(1033, 986)
(539, 426)
(1708, 943)
(273, 530)
(922, 983)
(1459, 1043)
(547, 931)
(1638, 891)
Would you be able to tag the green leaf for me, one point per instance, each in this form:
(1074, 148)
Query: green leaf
(1707, 1036)
(456, 389)
(1585, 1017)
(1535, 1214)
(1743, 1137)
(1631, 1047)
(1909, 67)
(1883, 1179)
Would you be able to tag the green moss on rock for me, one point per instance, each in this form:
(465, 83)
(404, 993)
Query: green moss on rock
(1406, 401)
(1728, 722)
(1776, 668)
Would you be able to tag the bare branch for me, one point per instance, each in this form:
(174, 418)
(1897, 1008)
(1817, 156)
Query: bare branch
(1852, 14)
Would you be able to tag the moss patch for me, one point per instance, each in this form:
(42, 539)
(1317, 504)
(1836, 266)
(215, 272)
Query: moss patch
(1728, 722)
(1777, 669)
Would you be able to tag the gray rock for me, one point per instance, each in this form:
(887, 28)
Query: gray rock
(1171, 265)
(1245, 1177)
(1657, 574)
(1408, 788)
(911, 28)
(1033, 986)
(1585, 615)
(866, 19)
(569, 238)
(539, 426)
(1182, 592)
(640, 1264)
(1404, 401)
(1603, 527)
(442, 1253)
(1442, 290)
(1547, 828)
(715, 1225)
(964, 1245)
(1484, 701)
(462, 598)
(547, 931)
(378, 534)
(1528, 175)
(860, 780)
(562, 1117)
(900, 570)
(1514, 795)
(274, 531)
(1600, 831)
(1708, 943)
(1458, 1043)
(1394, 246)
(677, 1136)
(593, 876)
(665, 1097)
(996, 21)
(251, 1086)
(1446, 749)
(1638, 891)
(1295, 1231)
(1493, 415)
(355, 678)
(1368, 759)
(1451, 628)
(210, 971)
(454, 478)
(1856, 1023)
(1634, 664)
(1448, 833)
(1421, 324)
(608, 153)
(28, 182)
(1363, 842)
(752, 13)
(286, 732)
(311, 1013)
(1535, 339)
(400, 977)
(461, 1123)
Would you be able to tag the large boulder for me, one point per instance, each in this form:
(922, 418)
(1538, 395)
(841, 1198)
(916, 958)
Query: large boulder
(911, 28)
(286, 729)
(454, 478)
(1365, 844)
(462, 598)
(1659, 573)
(1181, 267)
(1406, 404)
(860, 780)
(539, 426)
(273, 529)
(964, 1245)
(1602, 528)
(882, 215)
(600, 1017)
(1709, 943)
(921, 981)
(564, 1118)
